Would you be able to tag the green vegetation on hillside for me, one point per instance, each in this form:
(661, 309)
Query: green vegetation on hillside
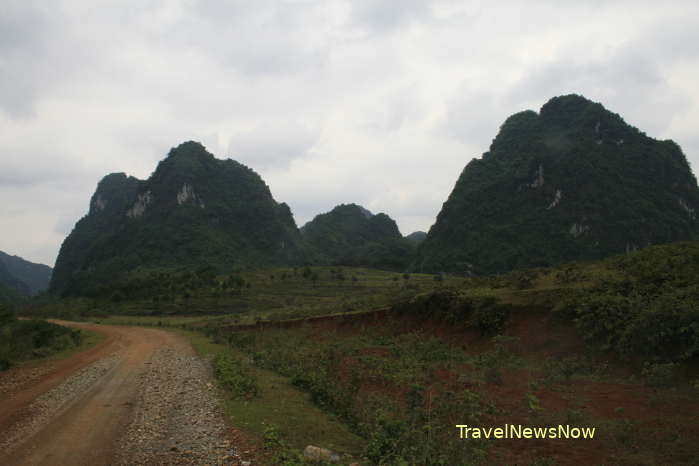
(22, 340)
(574, 182)
(194, 210)
(457, 354)
(368, 393)
(402, 358)
(248, 295)
(9, 295)
(350, 235)
(643, 305)
(416, 237)
(648, 308)
(280, 415)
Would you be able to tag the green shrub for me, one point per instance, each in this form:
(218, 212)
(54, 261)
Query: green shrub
(605, 318)
(493, 362)
(7, 316)
(234, 376)
(668, 327)
(25, 339)
(437, 304)
(533, 402)
(490, 316)
(695, 385)
(386, 442)
(632, 320)
(659, 374)
(272, 437)
(567, 307)
(563, 369)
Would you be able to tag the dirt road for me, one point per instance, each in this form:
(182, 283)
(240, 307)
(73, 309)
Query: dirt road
(114, 404)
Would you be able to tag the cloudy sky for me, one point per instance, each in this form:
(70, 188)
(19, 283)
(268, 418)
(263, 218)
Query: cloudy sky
(378, 102)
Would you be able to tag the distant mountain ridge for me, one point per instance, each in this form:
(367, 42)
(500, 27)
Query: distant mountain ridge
(351, 235)
(573, 182)
(23, 277)
(416, 237)
(194, 210)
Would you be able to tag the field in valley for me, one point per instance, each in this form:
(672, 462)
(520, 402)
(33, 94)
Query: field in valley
(381, 367)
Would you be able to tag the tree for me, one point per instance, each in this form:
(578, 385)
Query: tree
(6, 315)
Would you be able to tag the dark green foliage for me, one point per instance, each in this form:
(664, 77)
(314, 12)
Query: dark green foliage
(9, 295)
(574, 182)
(7, 316)
(490, 316)
(414, 428)
(650, 309)
(234, 376)
(562, 370)
(445, 304)
(193, 211)
(21, 340)
(350, 235)
(492, 363)
(416, 237)
(114, 195)
(605, 318)
(660, 374)
(385, 444)
(486, 313)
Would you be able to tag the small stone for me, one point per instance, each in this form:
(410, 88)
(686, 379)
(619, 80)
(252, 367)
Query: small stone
(314, 453)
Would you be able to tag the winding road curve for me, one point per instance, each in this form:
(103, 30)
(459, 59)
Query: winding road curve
(95, 399)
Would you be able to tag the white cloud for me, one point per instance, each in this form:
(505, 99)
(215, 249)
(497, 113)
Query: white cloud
(272, 145)
(331, 101)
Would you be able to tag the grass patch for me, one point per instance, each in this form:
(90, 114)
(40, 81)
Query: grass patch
(235, 376)
(245, 296)
(381, 384)
(279, 405)
(89, 340)
(26, 340)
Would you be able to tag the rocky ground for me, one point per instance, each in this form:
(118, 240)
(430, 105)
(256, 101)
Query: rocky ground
(50, 404)
(141, 397)
(15, 379)
(177, 419)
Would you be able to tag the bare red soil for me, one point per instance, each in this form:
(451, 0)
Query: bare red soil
(635, 424)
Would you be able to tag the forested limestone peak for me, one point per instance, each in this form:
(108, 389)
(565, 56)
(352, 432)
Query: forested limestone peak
(572, 182)
(194, 210)
(416, 237)
(351, 235)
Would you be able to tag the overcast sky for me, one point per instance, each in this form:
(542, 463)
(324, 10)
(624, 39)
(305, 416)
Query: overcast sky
(380, 103)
